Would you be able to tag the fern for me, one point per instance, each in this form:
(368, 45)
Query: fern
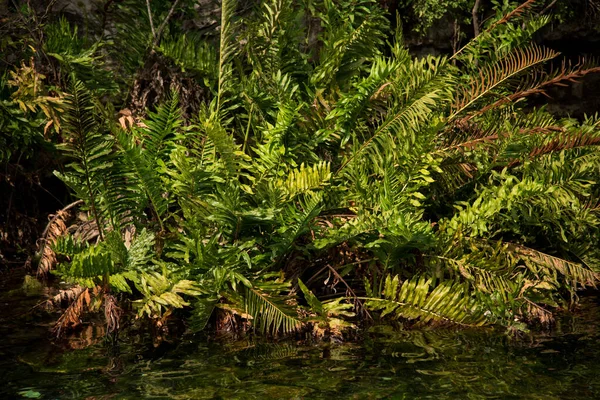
(415, 299)
(227, 50)
(192, 53)
(317, 149)
(305, 179)
(157, 141)
(92, 262)
(270, 314)
(498, 73)
(160, 294)
(89, 149)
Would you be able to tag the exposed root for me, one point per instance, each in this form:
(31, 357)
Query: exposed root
(112, 313)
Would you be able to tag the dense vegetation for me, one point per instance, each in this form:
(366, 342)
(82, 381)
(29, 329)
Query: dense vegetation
(295, 169)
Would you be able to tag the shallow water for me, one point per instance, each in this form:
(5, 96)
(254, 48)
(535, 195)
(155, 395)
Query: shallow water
(437, 364)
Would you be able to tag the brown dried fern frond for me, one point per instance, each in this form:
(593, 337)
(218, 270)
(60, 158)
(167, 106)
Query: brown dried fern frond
(65, 296)
(494, 75)
(466, 134)
(572, 271)
(540, 81)
(71, 318)
(55, 229)
(86, 231)
(536, 312)
(569, 141)
(520, 10)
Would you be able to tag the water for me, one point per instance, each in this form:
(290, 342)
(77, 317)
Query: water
(437, 364)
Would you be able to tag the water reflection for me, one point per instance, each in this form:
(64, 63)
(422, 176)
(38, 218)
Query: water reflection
(436, 364)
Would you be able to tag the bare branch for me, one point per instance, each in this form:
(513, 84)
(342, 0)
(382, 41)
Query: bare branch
(151, 21)
(164, 23)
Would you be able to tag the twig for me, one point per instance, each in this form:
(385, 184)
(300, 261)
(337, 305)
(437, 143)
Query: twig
(350, 290)
(48, 9)
(164, 23)
(547, 8)
(150, 18)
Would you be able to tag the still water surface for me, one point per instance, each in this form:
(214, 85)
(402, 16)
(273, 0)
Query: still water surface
(439, 364)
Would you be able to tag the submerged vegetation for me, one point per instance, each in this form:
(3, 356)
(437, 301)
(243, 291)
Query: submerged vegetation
(297, 170)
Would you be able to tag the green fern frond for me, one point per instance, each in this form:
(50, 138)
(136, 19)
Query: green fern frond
(416, 299)
(144, 174)
(418, 94)
(351, 105)
(162, 127)
(143, 160)
(306, 178)
(90, 150)
(191, 179)
(92, 262)
(68, 246)
(347, 43)
(296, 220)
(191, 53)
(227, 51)
(230, 156)
(489, 276)
(141, 250)
(270, 314)
(160, 293)
(514, 28)
(273, 45)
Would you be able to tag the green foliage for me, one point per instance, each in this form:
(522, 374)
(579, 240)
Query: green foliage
(192, 54)
(161, 293)
(90, 151)
(78, 57)
(427, 179)
(269, 314)
(417, 299)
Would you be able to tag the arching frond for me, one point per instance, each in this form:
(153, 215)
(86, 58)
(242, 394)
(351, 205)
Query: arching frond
(191, 53)
(572, 271)
(269, 314)
(296, 220)
(161, 129)
(347, 43)
(91, 262)
(418, 94)
(352, 105)
(492, 76)
(538, 82)
(227, 50)
(89, 149)
(416, 299)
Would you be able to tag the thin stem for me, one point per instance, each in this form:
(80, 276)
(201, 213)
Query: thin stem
(151, 21)
(356, 298)
(164, 23)
(248, 128)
